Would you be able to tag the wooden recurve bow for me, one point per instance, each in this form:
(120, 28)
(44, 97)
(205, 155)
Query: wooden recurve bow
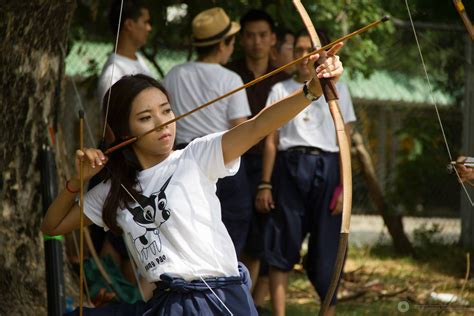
(331, 96)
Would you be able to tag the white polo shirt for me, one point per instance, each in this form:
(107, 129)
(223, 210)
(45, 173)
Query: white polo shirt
(314, 126)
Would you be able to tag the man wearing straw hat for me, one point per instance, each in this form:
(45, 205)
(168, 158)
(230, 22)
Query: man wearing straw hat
(197, 82)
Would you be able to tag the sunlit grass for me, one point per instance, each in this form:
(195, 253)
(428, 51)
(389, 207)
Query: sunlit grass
(390, 280)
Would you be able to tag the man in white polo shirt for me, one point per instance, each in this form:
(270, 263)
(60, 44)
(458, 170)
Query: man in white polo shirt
(134, 29)
(304, 194)
(197, 82)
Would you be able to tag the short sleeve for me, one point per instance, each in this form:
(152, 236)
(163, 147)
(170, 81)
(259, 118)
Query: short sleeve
(94, 203)
(238, 103)
(276, 94)
(167, 79)
(171, 84)
(104, 80)
(207, 152)
(345, 102)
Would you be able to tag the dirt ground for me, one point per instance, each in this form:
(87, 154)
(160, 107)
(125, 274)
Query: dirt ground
(377, 282)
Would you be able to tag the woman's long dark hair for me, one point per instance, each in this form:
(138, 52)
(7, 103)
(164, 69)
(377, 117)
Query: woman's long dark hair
(123, 166)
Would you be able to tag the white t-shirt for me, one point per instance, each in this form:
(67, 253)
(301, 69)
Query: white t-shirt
(177, 228)
(314, 126)
(123, 66)
(195, 83)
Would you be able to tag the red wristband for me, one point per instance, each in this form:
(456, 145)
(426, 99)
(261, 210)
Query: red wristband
(69, 190)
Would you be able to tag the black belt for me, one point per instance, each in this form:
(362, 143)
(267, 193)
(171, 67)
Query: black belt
(305, 150)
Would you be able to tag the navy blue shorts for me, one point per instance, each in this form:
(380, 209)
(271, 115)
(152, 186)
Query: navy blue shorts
(303, 186)
(174, 297)
(236, 204)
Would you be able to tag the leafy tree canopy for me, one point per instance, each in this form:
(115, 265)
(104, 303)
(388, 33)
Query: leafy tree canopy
(389, 47)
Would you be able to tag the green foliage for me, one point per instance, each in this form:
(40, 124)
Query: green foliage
(337, 17)
(443, 51)
(421, 164)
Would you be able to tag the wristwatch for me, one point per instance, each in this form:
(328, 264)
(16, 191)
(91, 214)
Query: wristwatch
(307, 94)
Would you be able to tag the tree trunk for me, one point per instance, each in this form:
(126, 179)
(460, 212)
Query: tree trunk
(31, 72)
(393, 221)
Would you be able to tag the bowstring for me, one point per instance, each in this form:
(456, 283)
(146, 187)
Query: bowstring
(108, 103)
(112, 75)
(433, 100)
(231, 314)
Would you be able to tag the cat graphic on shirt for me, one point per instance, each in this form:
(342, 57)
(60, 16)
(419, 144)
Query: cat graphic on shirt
(149, 215)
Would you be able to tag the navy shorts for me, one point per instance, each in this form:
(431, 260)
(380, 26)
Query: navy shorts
(236, 204)
(175, 296)
(303, 186)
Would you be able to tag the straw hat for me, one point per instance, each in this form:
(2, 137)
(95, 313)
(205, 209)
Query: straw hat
(212, 26)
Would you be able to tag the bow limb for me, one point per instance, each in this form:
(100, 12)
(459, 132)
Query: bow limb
(331, 96)
(81, 227)
(465, 18)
